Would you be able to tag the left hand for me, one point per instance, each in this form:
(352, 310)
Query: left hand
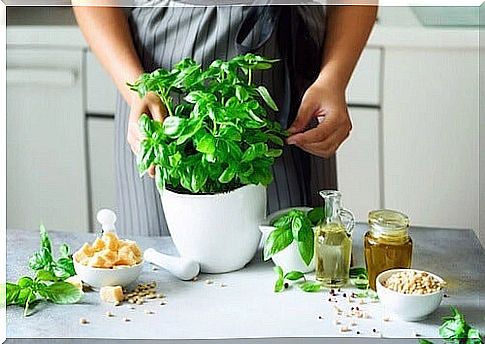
(325, 101)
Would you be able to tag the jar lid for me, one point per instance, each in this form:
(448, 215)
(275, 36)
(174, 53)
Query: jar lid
(388, 221)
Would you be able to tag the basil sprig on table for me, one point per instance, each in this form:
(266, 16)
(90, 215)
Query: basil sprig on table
(295, 225)
(307, 286)
(61, 268)
(28, 292)
(48, 283)
(217, 136)
(455, 330)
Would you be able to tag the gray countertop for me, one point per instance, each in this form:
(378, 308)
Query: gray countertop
(247, 306)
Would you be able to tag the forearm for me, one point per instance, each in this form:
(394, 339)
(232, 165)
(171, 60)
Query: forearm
(108, 34)
(347, 31)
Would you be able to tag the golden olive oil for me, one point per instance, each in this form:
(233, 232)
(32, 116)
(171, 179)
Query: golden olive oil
(333, 248)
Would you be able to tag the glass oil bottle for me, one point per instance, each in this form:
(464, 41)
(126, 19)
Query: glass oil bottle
(333, 242)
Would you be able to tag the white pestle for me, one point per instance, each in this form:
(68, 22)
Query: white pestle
(107, 219)
(182, 268)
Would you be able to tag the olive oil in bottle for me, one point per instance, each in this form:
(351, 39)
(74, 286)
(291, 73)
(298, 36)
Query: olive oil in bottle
(333, 242)
(333, 247)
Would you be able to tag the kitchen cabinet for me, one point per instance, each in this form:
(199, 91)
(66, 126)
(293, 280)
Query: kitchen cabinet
(430, 135)
(365, 85)
(359, 164)
(100, 137)
(46, 153)
(100, 90)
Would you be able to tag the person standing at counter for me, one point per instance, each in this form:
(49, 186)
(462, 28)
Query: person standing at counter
(142, 39)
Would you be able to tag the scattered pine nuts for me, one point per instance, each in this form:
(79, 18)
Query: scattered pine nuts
(154, 268)
(83, 321)
(209, 281)
(344, 329)
(117, 303)
(386, 318)
(223, 285)
(195, 279)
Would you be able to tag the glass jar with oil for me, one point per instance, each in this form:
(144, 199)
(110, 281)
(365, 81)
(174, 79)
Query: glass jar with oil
(387, 244)
(333, 242)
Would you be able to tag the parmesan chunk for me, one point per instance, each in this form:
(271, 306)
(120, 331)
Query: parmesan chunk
(111, 294)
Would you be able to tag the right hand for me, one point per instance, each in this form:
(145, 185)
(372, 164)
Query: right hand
(150, 104)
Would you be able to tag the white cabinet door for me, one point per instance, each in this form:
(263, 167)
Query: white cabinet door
(365, 84)
(100, 89)
(358, 164)
(101, 164)
(431, 119)
(46, 169)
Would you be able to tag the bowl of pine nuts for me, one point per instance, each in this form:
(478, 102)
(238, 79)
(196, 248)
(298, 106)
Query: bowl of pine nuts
(410, 294)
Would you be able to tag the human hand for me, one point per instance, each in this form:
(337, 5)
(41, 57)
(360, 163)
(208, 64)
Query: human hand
(152, 105)
(325, 101)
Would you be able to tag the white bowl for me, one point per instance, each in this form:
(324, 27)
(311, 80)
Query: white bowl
(408, 307)
(102, 277)
(289, 258)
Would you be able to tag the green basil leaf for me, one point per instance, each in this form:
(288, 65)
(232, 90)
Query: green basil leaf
(279, 285)
(206, 144)
(44, 275)
(12, 293)
(316, 215)
(25, 282)
(63, 293)
(305, 244)
(310, 286)
(263, 91)
(241, 93)
(278, 270)
(275, 139)
(173, 125)
(274, 153)
(228, 175)
(294, 275)
(64, 251)
(25, 295)
(254, 151)
(277, 240)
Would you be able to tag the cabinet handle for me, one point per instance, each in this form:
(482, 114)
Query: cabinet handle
(43, 76)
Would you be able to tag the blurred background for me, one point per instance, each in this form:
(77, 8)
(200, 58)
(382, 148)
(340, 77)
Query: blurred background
(413, 99)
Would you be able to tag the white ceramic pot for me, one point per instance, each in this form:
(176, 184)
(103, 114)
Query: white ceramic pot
(220, 231)
(289, 258)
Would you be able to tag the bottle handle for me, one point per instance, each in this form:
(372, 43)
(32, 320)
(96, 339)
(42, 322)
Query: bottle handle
(347, 216)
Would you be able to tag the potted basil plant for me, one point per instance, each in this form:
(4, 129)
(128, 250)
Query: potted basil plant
(212, 155)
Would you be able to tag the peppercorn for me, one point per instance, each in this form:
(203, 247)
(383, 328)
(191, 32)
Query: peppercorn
(344, 295)
(358, 332)
(319, 317)
(357, 308)
(374, 330)
(286, 285)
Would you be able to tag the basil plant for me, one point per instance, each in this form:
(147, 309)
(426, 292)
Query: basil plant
(217, 135)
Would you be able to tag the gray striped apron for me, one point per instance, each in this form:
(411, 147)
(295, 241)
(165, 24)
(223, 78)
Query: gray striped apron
(165, 35)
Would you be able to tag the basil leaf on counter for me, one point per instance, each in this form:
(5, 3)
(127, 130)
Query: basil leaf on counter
(294, 275)
(62, 293)
(310, 286)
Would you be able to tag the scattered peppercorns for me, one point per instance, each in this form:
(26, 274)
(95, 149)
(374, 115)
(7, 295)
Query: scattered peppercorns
(286, 285)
